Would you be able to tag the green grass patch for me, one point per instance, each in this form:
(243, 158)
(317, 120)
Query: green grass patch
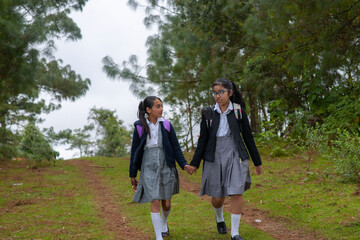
(56, 202)
(314, 199)
(47, 203)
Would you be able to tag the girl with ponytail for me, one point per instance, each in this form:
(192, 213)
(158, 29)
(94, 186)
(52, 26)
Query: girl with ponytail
(224, 144)
(154, 150)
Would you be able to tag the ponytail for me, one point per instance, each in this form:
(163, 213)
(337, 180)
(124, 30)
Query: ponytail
(141, 116)
(236, 97)
(148, 102)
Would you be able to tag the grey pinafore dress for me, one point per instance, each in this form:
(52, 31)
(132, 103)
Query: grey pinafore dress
(228, 174)
(157, 180)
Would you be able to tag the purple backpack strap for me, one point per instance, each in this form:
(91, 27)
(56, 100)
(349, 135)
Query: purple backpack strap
(166, 124)
(140, 130)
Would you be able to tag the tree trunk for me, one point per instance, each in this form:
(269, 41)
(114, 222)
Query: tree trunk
(253, 113)
(190, 119)
(263, 110)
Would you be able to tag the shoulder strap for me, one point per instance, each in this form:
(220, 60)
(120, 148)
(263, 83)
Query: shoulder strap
(208, 113)
(237, 111)
(166, 124)
(140, 128)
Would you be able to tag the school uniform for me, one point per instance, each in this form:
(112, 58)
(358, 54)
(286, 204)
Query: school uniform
(222, 147)
(155, 158)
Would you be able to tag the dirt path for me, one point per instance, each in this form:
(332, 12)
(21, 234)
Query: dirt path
(105, 199)
(275, 227)
(117, 223)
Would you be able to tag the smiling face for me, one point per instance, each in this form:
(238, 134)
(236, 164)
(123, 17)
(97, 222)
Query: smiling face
(156, 110)
(222, 95)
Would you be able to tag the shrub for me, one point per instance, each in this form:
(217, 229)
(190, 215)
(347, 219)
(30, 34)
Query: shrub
(278, 151)
(35, 146)
(345, 152)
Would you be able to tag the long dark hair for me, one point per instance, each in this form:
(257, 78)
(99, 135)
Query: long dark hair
(148, 102)
(236, 97)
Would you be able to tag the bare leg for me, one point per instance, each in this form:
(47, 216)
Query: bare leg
(217, 202)
(155, 206)
(166, 207)
(236, 204)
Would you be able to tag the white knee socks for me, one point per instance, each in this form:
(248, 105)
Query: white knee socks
(235, 223)
(156, 220)
(219, 214)
(164, 217)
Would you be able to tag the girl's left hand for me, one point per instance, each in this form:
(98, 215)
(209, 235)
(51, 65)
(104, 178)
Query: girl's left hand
(134, 184)
(258, 170)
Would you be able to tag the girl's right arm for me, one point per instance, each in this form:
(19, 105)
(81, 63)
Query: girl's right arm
(134, 145)
(201, 144)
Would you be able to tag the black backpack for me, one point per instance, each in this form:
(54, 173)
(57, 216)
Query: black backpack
(209, 112)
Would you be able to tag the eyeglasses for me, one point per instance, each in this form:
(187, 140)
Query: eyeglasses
(220, 92)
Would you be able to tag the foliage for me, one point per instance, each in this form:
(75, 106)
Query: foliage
(80, 140)
(278, 151)
(35, 147)
(344, 114)
(113, 137)
(294, 60)
(27, 65)
(268, 138)
(345, 152)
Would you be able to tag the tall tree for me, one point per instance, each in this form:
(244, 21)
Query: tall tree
(113, 137)
(81, 140)
(311, 45)
(35, 146)
(27, 66)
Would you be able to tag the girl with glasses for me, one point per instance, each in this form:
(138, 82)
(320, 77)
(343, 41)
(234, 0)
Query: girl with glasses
(224, 144)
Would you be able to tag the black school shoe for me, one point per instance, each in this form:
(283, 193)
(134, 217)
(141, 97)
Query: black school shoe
(221, 227)
(166, 234)
(237, 237)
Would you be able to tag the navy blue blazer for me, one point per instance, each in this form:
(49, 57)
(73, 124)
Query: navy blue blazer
(171, 148)
(241, 132)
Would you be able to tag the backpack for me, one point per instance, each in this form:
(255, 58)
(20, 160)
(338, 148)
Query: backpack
(209, 111)
(140, 128)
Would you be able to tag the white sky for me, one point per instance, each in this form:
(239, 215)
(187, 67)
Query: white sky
(108, 27)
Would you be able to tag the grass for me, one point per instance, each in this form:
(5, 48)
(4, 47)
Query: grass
(56, 202)
(316, 199)
(47, 203)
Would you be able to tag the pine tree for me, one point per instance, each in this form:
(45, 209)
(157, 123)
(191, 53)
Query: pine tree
(27, 66)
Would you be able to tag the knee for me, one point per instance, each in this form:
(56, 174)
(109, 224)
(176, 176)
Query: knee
(155, 206)
(166, 205)
(217, 202)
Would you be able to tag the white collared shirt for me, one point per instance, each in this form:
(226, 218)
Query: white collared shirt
(223, 125)
(154, 131)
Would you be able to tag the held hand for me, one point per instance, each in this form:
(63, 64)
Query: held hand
(190, 169)
(187, 168)
(258, 170)
(134, 184)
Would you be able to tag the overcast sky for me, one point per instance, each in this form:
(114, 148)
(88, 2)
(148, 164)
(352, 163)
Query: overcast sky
(108, 27)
